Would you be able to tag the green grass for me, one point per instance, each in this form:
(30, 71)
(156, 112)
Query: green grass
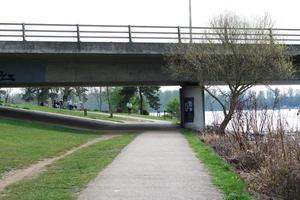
(23, 143)
(223, 175)
(100, 116)
(67, 177)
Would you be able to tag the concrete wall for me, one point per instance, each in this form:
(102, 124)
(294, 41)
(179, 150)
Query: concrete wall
(197, 93)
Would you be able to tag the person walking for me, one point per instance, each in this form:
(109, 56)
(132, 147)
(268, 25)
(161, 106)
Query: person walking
(129, 107)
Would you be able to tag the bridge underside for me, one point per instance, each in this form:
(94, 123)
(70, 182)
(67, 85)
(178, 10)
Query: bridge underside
(86, 70)
(91, 64)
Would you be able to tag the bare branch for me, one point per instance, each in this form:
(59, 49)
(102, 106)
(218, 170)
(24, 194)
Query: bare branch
(217, 99)
(236, 51)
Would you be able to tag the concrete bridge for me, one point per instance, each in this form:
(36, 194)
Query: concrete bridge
(91, 64)
(79, 56)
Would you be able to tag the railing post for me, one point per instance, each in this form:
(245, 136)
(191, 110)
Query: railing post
(23, 32)
(179, 34)
(78, 33)
(191, 34)
(129, 33)
(271, 35)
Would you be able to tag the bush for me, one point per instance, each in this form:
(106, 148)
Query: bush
(145, 112)
(269, 159)
(119, 110)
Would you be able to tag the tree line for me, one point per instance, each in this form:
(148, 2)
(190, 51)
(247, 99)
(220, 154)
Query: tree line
(142, 98)
(268, 99)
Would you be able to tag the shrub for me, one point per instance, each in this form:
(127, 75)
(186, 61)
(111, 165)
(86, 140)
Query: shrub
(267, 157)
(119, 110)
(145, 112)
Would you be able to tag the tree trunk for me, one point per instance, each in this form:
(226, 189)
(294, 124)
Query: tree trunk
(141, 101)
(6, 97)
(109, 103)
(66, 94)
(228, 116)
(100, 99)
(38, 96)
(225, 123)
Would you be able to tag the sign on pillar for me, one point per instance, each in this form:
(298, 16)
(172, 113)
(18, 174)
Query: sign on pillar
(188, 109)
(192, 107)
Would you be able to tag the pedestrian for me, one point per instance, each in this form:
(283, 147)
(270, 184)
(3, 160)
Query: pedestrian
(75, 106)
(61, 104)
(54, 104)
(81, 105)
(129, 107)
(70, 105)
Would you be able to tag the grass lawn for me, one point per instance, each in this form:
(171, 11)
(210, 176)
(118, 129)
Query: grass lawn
(23, 143)
(65, 178)
(91, 115)
(223, 175)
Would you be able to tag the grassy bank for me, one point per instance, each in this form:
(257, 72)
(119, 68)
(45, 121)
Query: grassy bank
(23, 143)
(100, 116)
(67, 177)
(223, 175)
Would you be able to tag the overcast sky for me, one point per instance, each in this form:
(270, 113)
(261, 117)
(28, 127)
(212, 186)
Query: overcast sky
(145, 12)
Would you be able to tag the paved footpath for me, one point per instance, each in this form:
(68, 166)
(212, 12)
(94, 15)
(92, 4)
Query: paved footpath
(157, 165)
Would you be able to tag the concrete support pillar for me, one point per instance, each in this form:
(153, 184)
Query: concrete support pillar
(192, 107)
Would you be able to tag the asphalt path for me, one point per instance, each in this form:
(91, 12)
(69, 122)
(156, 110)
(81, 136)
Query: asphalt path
(157, 165)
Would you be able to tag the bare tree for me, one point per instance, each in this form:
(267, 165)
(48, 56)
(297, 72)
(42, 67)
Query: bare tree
(237, 52)
(81, 94)
(8, 92)
(108, 99)
(2, 94)
(100, 99)
(53, 94)
(97, 93)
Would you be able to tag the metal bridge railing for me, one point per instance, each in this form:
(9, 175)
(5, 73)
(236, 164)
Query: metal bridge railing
(123, 33)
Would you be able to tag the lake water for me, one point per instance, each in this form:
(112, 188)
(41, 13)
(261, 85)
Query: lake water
(288, 118)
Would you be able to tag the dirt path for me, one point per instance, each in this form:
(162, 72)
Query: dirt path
(35, 169)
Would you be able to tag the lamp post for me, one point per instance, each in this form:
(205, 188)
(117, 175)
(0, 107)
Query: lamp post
(190, 20)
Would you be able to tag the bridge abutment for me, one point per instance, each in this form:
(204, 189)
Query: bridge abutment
(192, 107)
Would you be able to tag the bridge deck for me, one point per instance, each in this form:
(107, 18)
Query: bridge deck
(92, 63)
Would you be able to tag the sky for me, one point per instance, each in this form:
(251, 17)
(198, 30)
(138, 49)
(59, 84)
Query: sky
(145, 12)
(285, 14)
